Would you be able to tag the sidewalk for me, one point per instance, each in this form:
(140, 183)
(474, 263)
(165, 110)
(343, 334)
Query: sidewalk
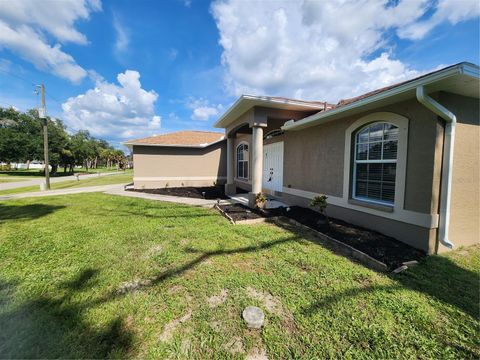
(38, 181)
(174, 199)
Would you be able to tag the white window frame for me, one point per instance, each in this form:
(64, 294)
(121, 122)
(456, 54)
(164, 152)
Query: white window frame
(402, 146)
(243, 143)
(367, 161)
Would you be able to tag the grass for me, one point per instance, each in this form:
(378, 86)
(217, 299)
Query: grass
(70, 184)
(94, 275)
(12, 179)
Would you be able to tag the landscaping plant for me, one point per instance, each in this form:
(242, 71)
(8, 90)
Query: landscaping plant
(320, 203)
(260, 200)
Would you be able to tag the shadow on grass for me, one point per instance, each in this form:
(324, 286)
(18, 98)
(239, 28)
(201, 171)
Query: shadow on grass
(26, 212)
(443, 279)
(179, 270)
(55, 327)
(167, 212)
(436, 276)
(46, 327)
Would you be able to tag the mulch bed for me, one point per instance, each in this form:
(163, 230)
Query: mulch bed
(381, 247)
(239, 212)
(207, 192)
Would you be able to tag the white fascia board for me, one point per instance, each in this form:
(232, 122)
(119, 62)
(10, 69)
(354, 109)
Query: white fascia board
(259, 101)
(202, 146)
(463, 68)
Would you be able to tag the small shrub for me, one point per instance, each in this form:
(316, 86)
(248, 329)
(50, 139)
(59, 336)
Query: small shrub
(260, 200)
(320, 202)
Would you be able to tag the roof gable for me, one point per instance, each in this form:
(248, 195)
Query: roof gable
(185, 138)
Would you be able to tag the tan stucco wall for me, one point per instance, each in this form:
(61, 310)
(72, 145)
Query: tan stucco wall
(465, 201)
(156, 166)
(320, 160)
(313, 161)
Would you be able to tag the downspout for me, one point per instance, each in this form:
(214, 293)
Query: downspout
(447, 162)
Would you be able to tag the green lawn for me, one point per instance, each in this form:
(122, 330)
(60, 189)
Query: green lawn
(12, 179)
(94, 275)
(70, 184)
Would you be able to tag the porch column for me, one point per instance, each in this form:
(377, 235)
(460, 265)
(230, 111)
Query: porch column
(257, 164)
(230, 187)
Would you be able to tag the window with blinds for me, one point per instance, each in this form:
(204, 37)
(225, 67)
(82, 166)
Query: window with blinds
(375, 163)
(242, 161)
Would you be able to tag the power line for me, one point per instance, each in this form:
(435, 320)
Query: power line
(17, 76)
(30, 83)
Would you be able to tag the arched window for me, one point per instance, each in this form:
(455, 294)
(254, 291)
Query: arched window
(375, 163)
(242, 161)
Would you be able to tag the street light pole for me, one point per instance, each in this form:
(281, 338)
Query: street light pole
(42, 114)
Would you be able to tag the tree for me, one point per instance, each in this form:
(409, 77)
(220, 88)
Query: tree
(21, 140)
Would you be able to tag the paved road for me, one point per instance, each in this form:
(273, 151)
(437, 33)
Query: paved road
(38, 181)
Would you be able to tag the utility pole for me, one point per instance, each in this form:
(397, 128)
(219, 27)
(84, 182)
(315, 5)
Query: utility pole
(42, 114)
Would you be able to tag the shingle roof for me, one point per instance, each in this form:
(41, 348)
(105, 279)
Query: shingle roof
(344, 102)
(188, 138)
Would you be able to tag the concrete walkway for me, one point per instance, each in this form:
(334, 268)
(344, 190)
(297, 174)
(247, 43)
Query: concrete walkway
(87, 189)
(38, 181)
(174, 199)
(271, 203)
(119, 190)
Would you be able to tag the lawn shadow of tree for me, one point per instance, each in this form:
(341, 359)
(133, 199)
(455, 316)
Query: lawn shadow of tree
(53, 327)
(179, 270)
(26, 212)
(436, 276)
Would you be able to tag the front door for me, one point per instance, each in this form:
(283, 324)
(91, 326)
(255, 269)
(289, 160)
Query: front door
(273, 167)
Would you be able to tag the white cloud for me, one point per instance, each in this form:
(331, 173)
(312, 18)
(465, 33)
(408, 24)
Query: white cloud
(202, 110)
(322, 50)
(453, 11)
(122, 36)
(27, 26)
(114, 111)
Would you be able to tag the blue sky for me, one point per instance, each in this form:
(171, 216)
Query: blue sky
(127, 69)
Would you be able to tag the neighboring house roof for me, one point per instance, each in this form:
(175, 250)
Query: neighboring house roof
(186, 138)
(246, 102)
(462, 79)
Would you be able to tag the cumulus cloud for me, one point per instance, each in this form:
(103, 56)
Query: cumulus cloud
(202, 110)
(26, 27)
(115, 111)
(322, 50)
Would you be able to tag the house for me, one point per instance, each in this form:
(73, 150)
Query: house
(403, 160)
(183, 158)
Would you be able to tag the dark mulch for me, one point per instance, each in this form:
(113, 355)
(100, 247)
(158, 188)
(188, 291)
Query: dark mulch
(239, 212)
(381, 247)
(207, 192)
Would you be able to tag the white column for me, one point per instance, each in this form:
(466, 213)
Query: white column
(230, 186)
(257, 163)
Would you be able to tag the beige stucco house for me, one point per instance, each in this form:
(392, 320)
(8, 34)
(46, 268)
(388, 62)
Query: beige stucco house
(183, 158)
(403, 160)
